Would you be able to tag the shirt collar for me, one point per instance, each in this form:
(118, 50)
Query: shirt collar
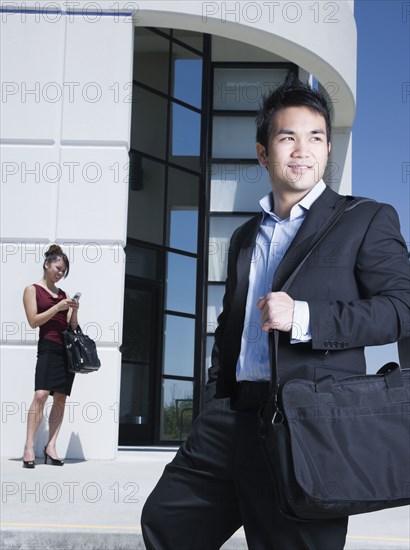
(266, 202)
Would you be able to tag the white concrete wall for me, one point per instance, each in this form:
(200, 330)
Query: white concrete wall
(65, 127)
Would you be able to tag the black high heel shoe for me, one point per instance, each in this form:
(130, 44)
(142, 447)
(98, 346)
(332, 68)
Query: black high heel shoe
(54, 461)
(29, 464)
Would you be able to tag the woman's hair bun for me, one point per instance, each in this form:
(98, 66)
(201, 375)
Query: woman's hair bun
(54, 250)
(55, 253)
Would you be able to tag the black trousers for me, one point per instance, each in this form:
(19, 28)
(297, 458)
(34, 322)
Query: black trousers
(218, 482)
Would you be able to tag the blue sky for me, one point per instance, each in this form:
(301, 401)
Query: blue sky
(381, 131)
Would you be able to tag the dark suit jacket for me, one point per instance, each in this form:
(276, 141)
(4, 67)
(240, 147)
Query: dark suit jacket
(357, 285)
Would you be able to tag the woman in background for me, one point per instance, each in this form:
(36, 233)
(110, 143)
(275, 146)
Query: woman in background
(51, 309)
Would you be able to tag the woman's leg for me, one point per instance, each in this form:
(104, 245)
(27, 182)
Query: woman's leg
(54, 422)
(34, 418)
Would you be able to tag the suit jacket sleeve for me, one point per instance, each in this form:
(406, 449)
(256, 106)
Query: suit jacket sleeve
(381, 314)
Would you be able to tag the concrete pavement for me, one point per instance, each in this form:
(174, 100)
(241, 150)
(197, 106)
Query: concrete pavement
(96, 505)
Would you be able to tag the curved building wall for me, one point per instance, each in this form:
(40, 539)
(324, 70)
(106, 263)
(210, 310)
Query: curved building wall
(319, 37)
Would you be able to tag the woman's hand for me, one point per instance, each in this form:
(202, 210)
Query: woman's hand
(72, 314)
(74, 304)
(66, 304)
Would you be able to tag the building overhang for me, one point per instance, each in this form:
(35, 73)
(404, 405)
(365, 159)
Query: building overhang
(320, 37)
(323, 42)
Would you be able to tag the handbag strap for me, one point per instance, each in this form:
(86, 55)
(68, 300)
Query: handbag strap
(76, 330)
(343, 205)
(404, 352)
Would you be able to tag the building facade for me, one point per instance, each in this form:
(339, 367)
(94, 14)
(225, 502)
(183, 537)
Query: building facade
(127, 136)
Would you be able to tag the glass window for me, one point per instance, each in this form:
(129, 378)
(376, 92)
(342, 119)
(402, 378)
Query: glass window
(181, 283)
(182, 196)
(176, 410)
(137, 326)
(146, 206)
(142, 262)
(220, 231)
(187, 76)
(134, 402)
(215, 296)
(238, 187)
(185, 137)
(149, 123)
(183, 229)
(151, 59)
(210, 340)
(243, 88)
(179, 344)
(193, 39)
(234, 137)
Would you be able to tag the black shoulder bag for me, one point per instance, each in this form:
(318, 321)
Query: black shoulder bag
(81, 351)
(337, 448)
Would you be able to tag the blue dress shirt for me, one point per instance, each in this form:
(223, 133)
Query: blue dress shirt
(273, 240)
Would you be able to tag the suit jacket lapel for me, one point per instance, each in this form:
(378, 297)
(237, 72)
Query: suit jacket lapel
(317, 215)
(246, 249)
(242, 248)
(246, 246)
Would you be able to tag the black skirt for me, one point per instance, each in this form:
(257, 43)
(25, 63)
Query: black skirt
(51, 370)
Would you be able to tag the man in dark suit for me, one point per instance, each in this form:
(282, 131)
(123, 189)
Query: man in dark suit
(352, 292)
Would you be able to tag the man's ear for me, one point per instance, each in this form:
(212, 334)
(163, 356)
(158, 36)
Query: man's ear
(261, 154)
(329, 147)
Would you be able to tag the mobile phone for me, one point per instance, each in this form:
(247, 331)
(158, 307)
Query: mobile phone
(76, 296)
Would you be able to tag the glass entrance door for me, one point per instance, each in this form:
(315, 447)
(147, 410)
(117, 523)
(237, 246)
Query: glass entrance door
(138, 364)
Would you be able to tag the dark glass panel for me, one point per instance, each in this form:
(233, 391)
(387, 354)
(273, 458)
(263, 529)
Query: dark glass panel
(146, 200)
(138, 364)
(193, 39)
(137, 326)
(149, 123)
(142, 262)
(151, 59)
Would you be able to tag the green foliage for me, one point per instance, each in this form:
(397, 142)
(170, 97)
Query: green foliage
(177, 419)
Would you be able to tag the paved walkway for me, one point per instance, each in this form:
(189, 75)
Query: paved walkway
(96, 505)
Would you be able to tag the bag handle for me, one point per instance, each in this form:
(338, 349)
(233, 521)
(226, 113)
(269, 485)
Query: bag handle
(343, 205)
(392, 375)
(74, 330)
(390, 371)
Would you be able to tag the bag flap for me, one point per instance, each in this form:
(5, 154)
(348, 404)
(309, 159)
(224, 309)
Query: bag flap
(351, 443)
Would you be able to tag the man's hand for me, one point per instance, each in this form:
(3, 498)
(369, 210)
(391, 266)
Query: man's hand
(276, 311)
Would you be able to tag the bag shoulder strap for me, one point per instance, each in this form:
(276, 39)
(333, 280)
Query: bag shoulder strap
(345, 204)
(404, 353)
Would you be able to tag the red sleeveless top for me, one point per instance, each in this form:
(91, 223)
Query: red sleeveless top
(53, 329)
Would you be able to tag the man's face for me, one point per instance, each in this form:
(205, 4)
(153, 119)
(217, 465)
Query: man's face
(298, 150)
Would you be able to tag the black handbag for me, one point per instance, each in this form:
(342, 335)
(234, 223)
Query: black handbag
(336, 448)
(81, 351)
